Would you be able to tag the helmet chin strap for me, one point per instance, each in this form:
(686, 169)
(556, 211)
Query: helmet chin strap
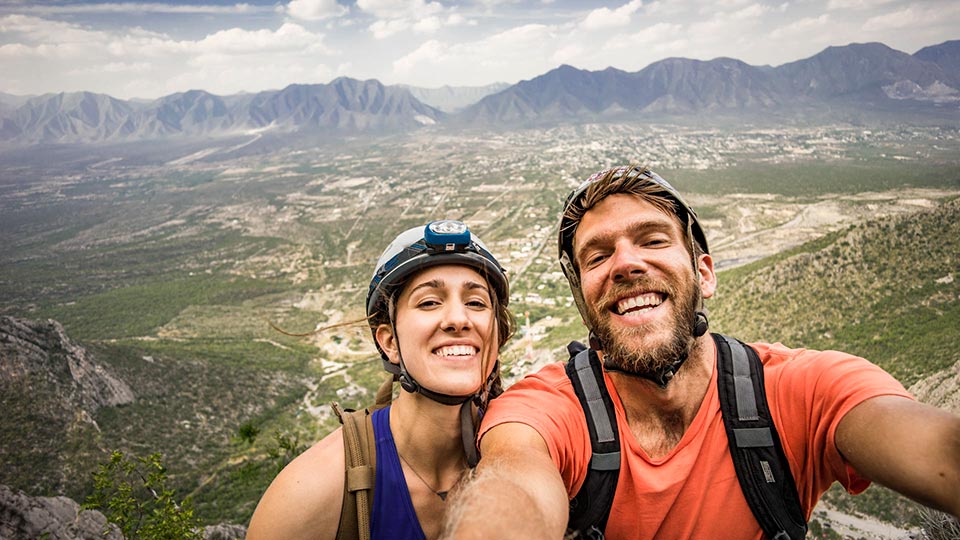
(665, 374)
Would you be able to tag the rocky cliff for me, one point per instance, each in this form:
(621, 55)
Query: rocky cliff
(50, 390)
(23, 517)
(54, 518)
(42, 350)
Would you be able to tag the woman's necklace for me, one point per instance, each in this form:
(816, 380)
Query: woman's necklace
(441, 494)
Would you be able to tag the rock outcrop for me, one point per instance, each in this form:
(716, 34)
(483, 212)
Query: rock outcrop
(42, 350)
(23, 517)
(50, 391)
(942, 389)
(53, 518)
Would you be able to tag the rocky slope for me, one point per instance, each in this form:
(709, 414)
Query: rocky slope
(53, 518)
(50, 387)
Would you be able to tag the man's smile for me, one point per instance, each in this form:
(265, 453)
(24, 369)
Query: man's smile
(639, 303)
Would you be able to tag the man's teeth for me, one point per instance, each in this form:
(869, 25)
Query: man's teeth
(642, 302)
(456, 350)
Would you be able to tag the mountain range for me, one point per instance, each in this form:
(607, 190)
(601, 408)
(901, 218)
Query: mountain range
(855, 81)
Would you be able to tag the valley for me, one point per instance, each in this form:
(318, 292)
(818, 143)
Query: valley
(170, 261)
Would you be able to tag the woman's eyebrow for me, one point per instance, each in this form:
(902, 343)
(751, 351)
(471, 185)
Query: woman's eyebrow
(435, 283)
(472, 285)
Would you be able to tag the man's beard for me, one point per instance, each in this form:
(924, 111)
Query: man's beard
(620, 349)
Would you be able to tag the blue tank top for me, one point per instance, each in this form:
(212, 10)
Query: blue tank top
(393, 516)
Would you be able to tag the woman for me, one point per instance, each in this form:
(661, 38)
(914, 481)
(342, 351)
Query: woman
(437, 308)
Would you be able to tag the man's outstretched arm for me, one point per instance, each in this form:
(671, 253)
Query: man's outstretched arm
(515, 492)
(907, 446)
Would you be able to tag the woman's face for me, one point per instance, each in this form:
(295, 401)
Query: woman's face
(446, 328)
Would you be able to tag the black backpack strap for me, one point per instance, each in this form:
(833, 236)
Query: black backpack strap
(758, 457)
(591, 506)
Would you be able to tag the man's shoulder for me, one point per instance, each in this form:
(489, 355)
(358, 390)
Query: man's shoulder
(552, 375)
(545, 391)
(774, 354)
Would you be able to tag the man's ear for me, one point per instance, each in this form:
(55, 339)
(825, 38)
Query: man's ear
(708, 277)
(388, 343)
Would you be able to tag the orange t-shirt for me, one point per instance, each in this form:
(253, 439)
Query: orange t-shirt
(693, 491)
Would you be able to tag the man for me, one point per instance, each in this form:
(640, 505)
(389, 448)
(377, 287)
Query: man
(639, 268)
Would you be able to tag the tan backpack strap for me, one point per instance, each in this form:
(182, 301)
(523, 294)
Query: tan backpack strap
(360, 463)
(360, 460)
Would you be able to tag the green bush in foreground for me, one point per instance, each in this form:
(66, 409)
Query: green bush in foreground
(132, 494)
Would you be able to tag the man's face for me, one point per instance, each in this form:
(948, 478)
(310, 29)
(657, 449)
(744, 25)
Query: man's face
(638, 282)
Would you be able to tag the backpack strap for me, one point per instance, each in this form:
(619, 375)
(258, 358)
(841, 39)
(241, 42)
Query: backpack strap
(360, 463)
(762, 467)
(590, 508)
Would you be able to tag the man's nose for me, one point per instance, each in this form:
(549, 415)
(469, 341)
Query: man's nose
(627, 262)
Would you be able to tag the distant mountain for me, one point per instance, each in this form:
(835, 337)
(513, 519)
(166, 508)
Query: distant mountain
(71, 117)
(192, 112)
(860, 81)
(450, 99)
(856, 71)
(343, 105)
(563, 93)
(839, 76)
(10, 102)
(947, 56)
(679, 85)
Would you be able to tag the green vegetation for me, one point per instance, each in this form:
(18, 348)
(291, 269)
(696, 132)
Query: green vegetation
(132, 493)
(169, 276)
(883, 290)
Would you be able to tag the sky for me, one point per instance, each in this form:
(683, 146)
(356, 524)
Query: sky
(152, 49)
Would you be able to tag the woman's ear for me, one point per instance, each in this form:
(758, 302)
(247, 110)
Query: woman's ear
(388, 343)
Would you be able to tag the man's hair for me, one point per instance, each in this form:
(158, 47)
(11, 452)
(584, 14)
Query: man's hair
(639, 185)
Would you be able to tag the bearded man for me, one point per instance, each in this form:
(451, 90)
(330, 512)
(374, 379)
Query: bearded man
(639, 268)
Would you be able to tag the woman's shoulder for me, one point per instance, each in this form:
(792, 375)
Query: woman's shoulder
(305, 499)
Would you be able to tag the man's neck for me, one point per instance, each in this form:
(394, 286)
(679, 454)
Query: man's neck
(658, 417)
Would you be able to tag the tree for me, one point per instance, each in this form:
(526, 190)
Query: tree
(132, 493)
(248, 432)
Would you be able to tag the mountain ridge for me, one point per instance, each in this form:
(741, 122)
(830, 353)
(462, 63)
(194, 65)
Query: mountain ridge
(856, 80)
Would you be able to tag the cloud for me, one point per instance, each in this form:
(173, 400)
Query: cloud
(753, 11)
(909, 17)
(803, 28)
(138, 7)
(315, 10)
(634, 50)
(289, 37)
(610, 18)
(510, 55)
(399, 9)
(383, 29)
(833, 5)
(142, 63)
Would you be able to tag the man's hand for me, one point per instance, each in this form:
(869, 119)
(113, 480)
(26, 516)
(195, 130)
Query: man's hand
(515, 492)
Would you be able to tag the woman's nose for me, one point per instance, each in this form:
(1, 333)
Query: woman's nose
(455, 317)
